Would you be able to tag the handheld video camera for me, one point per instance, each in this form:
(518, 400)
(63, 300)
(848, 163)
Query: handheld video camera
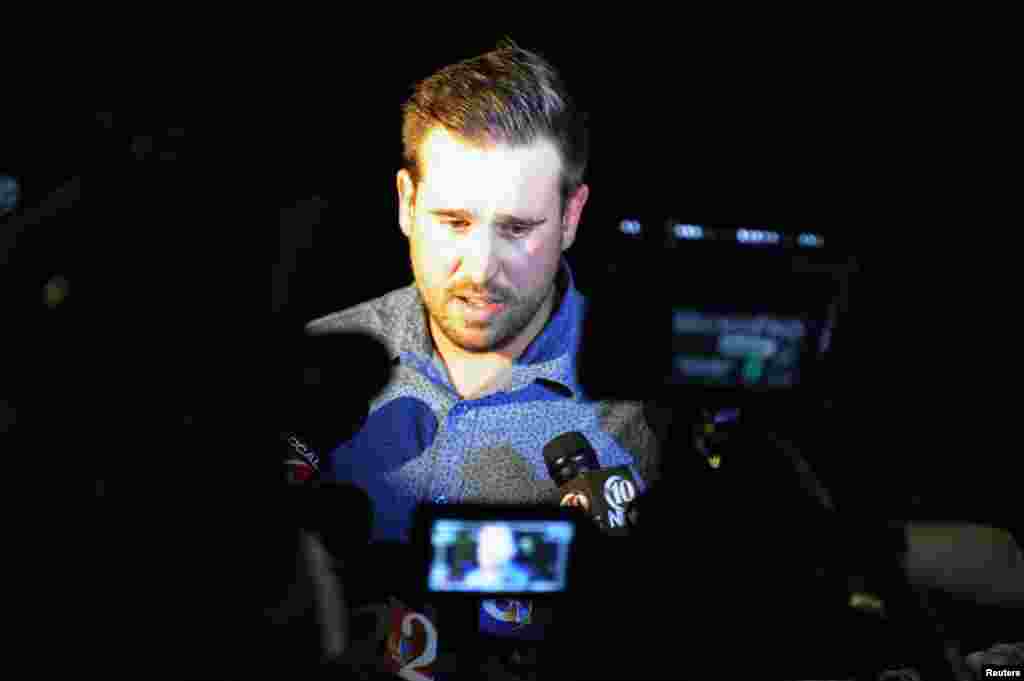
(726, 315)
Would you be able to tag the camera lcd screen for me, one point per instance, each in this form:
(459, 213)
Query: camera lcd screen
(494, 557)
(737, 349)
(759, 332)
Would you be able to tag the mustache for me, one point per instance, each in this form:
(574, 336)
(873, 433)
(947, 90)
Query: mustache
(494, 297)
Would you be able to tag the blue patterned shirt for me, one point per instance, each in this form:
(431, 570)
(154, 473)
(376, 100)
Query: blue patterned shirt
(424, 442)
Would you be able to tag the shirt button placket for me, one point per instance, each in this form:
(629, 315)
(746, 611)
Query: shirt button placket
(455, 416)
(461, 417)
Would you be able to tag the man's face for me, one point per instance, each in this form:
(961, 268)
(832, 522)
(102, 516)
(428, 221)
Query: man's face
(495, 547)
(487, 226)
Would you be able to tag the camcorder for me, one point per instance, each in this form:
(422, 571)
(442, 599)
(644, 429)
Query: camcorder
(720, 315)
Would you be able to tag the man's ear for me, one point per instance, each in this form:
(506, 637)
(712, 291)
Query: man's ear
(406, 198)
(573, 213)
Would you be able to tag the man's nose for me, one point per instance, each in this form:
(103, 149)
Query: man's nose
(480, 259)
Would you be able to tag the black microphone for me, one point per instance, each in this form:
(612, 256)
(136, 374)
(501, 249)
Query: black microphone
(605, 494)
(326, 383)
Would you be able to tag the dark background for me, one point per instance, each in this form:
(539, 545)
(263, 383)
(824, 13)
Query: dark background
(195, 179)
(278, 151)
(709, 132)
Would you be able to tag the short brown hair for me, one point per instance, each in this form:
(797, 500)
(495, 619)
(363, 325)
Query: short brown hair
(510, 96)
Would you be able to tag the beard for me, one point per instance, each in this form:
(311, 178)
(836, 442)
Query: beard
(493, 334)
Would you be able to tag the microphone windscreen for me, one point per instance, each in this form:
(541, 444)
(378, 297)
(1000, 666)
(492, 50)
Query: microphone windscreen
(327, 383)
(567, 456)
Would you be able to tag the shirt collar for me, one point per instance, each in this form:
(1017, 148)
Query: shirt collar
(550, 356)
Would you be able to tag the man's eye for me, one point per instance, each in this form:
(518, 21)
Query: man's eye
(519, 230)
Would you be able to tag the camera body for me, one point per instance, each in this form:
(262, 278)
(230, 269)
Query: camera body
(718, 315)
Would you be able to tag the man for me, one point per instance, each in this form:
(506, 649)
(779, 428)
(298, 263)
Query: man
(484, 343)
(496, 571)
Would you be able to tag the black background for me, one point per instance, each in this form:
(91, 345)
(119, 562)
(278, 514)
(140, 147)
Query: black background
(198, 176)
(286, 164)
